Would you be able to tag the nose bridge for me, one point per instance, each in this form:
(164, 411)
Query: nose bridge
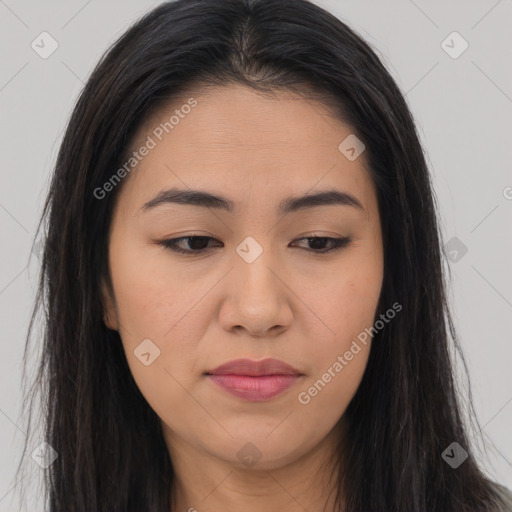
(253, 266)
(256, 299)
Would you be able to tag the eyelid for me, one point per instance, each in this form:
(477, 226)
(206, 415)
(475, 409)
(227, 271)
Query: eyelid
(337, 244)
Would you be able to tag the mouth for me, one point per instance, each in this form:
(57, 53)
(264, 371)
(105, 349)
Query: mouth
(255, 381)
(254, 389)
(253, 368)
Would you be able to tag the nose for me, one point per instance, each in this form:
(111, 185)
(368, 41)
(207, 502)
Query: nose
(257, 298)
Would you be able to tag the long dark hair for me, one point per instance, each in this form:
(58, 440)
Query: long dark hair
(406, 412)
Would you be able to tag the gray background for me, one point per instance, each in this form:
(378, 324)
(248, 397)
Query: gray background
(463, 108)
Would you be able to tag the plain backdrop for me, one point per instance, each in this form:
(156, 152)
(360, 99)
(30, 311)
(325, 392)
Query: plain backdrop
(463, 108)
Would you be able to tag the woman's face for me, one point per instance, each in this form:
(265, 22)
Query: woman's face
(259, 288)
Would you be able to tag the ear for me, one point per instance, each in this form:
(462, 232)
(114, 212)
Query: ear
(109, 310)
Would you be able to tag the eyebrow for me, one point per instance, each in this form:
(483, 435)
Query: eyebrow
(290, 204)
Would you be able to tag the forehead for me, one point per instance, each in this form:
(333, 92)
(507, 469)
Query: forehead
(241, 143)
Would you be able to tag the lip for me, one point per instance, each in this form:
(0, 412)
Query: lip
(253, 368)
(255, 381)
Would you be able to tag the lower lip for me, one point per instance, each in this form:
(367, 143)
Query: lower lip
(256, 389)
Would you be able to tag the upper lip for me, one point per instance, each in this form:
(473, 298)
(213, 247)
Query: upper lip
(254, 368)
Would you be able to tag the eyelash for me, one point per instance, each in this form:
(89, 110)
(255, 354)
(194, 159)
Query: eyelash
(337, 244)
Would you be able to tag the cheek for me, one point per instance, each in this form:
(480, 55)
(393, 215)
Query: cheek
(339, 358)
(155, 304)
(344, 300)
(324, 398)
(345, 307)
(150, 296)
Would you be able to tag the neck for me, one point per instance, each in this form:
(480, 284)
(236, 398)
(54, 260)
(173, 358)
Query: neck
(206, 484)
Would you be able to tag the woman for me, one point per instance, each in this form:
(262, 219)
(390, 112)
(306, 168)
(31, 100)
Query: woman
(245, 299)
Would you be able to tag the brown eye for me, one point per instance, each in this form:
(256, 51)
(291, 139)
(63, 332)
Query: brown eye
(196, 244)
(199, 244)
(318, 242)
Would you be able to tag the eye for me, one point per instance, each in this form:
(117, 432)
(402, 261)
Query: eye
(198, 244)
(336, 243)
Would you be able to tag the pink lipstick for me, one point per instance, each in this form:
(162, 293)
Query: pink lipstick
(256, 381)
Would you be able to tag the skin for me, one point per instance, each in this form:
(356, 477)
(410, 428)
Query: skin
(292, 304)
